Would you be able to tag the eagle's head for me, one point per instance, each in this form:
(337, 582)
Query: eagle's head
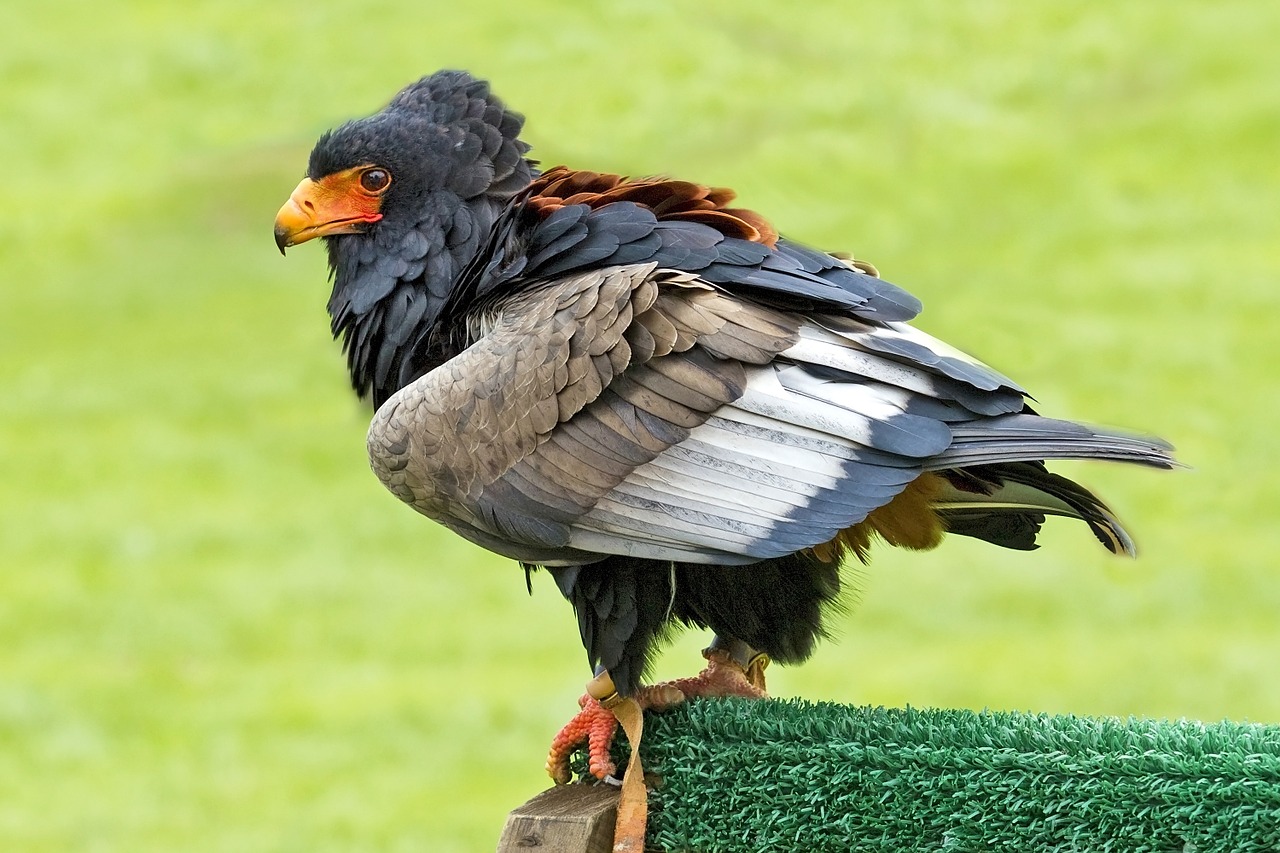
(404, 199)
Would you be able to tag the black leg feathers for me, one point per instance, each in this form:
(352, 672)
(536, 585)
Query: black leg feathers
(625, 605)
(779, 612)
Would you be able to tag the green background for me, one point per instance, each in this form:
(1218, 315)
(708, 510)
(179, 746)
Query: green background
(218, 633)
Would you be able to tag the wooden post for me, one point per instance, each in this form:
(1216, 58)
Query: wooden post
(565, 819)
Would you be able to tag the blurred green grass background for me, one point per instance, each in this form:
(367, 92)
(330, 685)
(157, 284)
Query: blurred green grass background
(219, 633)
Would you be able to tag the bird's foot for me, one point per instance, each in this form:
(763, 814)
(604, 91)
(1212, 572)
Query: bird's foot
(725, 675)
(596, 724)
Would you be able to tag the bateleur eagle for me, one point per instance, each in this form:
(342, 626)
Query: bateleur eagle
(683, 416)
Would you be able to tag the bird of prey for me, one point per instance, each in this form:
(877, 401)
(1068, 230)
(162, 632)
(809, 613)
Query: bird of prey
(683, 416)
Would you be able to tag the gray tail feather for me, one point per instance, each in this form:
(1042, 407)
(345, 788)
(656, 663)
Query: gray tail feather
(1024, 438)
(1000, 491)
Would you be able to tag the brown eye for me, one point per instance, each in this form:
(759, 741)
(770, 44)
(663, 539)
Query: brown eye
(375, 180)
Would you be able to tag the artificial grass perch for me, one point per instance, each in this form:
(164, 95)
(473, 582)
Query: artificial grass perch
(735, 775)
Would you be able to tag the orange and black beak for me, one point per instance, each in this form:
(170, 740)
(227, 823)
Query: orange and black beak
(341, 203)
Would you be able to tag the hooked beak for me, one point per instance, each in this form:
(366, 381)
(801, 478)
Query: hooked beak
(325, 208)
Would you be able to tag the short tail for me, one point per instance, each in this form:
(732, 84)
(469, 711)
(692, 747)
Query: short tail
(998, 489)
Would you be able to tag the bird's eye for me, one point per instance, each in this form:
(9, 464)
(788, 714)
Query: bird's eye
(375, 180)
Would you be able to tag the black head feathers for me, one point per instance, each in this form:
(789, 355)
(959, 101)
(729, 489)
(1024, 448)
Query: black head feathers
(456, 164)
(446, 132)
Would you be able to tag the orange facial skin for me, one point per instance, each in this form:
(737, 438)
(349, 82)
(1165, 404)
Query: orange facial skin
(342, 203)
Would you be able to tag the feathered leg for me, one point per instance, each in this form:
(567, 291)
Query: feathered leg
(623, 605)
(733, 669)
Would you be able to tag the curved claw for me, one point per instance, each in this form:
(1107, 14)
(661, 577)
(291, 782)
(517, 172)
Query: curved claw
(595, 725)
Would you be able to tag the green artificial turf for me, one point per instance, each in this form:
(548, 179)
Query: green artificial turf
(218, 633)
(737, 775)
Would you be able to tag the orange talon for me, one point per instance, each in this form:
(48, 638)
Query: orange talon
(594, 725)
(724, 676)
